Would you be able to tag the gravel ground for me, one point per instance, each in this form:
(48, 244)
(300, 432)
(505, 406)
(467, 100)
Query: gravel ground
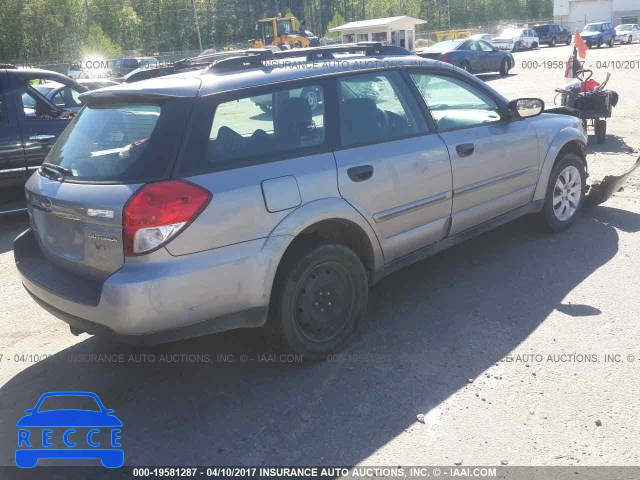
(494, 351)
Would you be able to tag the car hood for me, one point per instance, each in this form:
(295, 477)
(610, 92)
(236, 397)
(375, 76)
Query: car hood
(69, 418)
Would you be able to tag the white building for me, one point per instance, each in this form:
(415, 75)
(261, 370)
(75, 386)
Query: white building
(576, 13)
(400, 31)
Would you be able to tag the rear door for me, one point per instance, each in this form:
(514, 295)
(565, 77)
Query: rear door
(13, 172)
(76, 199)
(392, 167)
(494, 161)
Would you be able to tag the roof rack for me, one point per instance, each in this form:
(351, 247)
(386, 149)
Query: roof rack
(234, 60)
(254, 58)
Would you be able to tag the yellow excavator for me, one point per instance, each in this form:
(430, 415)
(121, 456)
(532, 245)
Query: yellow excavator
(283, 32)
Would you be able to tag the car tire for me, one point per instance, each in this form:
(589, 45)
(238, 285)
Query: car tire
(561, 207)
(302, 317)
(516, 47)
(504, 67)
(552, 43)
(612, 42)
(265, 108)
(534, 45)
(601, 131)
(599, 43)
(629, 40)
(465, 66)
(568, 39)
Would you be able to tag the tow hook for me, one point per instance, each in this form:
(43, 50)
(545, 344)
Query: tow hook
(601, 192)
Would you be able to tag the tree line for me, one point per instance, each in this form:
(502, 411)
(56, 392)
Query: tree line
(47, 30)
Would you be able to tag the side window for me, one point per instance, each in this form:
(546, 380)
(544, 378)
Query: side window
(485, 46)
(465, 46)
(455, 104)
(248, 129)
(377, 107)
(58, 99)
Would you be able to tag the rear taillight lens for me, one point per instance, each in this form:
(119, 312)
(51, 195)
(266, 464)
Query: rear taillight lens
(445, 57)
(158, 212)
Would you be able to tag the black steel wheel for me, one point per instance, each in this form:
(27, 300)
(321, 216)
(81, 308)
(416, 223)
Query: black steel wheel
(320, 297)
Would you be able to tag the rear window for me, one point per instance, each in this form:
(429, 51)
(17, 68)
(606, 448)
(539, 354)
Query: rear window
(124, 143)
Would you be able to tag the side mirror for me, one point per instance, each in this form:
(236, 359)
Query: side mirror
(526, 107)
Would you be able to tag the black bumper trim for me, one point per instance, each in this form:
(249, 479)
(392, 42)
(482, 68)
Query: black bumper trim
(250, 318)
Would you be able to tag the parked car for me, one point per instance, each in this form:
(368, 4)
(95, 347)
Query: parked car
(91, 69)
(475, 56)
(552, 34)
(627, 32)
(64, 96)
(126, 65)
(173, 208)
(485, 37)
(515, 39)
(598, 34)
(30, 124)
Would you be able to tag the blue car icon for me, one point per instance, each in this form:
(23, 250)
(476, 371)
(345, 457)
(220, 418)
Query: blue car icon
(74, 433)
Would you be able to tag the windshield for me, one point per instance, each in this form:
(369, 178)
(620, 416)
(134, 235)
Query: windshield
(624, 27)
(511, 32)
(117, 143)
(444, 46)
(284, 27)
(69, 402)
(592, 28)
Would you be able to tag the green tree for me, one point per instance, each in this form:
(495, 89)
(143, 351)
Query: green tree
(336, 21)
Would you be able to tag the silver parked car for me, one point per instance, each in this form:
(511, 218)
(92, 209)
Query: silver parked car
(174, 207)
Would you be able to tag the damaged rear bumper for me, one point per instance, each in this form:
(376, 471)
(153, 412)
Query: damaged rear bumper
(602, 191)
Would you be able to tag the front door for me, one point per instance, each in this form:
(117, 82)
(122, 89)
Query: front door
(39, 129)
(494, 161)
(391, 167)
(13, 172)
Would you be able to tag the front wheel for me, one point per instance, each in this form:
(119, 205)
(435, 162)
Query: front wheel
(504, 67)
(568, 39)
(319, 300)
(553, 42)
(612, 42)
(600, 128)
(534, 45)
(565, 193)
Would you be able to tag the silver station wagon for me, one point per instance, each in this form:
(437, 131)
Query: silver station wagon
(175, 206)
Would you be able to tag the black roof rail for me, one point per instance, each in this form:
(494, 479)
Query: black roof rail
(232, 60)
(254, 58)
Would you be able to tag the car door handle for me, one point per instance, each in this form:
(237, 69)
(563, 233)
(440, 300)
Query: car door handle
(360, 173)
(42, 137)
(465, 149)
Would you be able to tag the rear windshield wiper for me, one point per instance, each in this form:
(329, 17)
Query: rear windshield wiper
(58, 170)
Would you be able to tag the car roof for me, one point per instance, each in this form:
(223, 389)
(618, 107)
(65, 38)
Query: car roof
(206, 82)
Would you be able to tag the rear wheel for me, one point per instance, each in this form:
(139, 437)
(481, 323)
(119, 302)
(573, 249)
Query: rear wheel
(465, 66)
(565, 193)
(319, 299)
(568, 39)
(534, 45)
(600, 128)
(612, 42)
(504, 67)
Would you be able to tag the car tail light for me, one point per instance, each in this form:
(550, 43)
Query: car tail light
(445, 57)
(158, 212)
